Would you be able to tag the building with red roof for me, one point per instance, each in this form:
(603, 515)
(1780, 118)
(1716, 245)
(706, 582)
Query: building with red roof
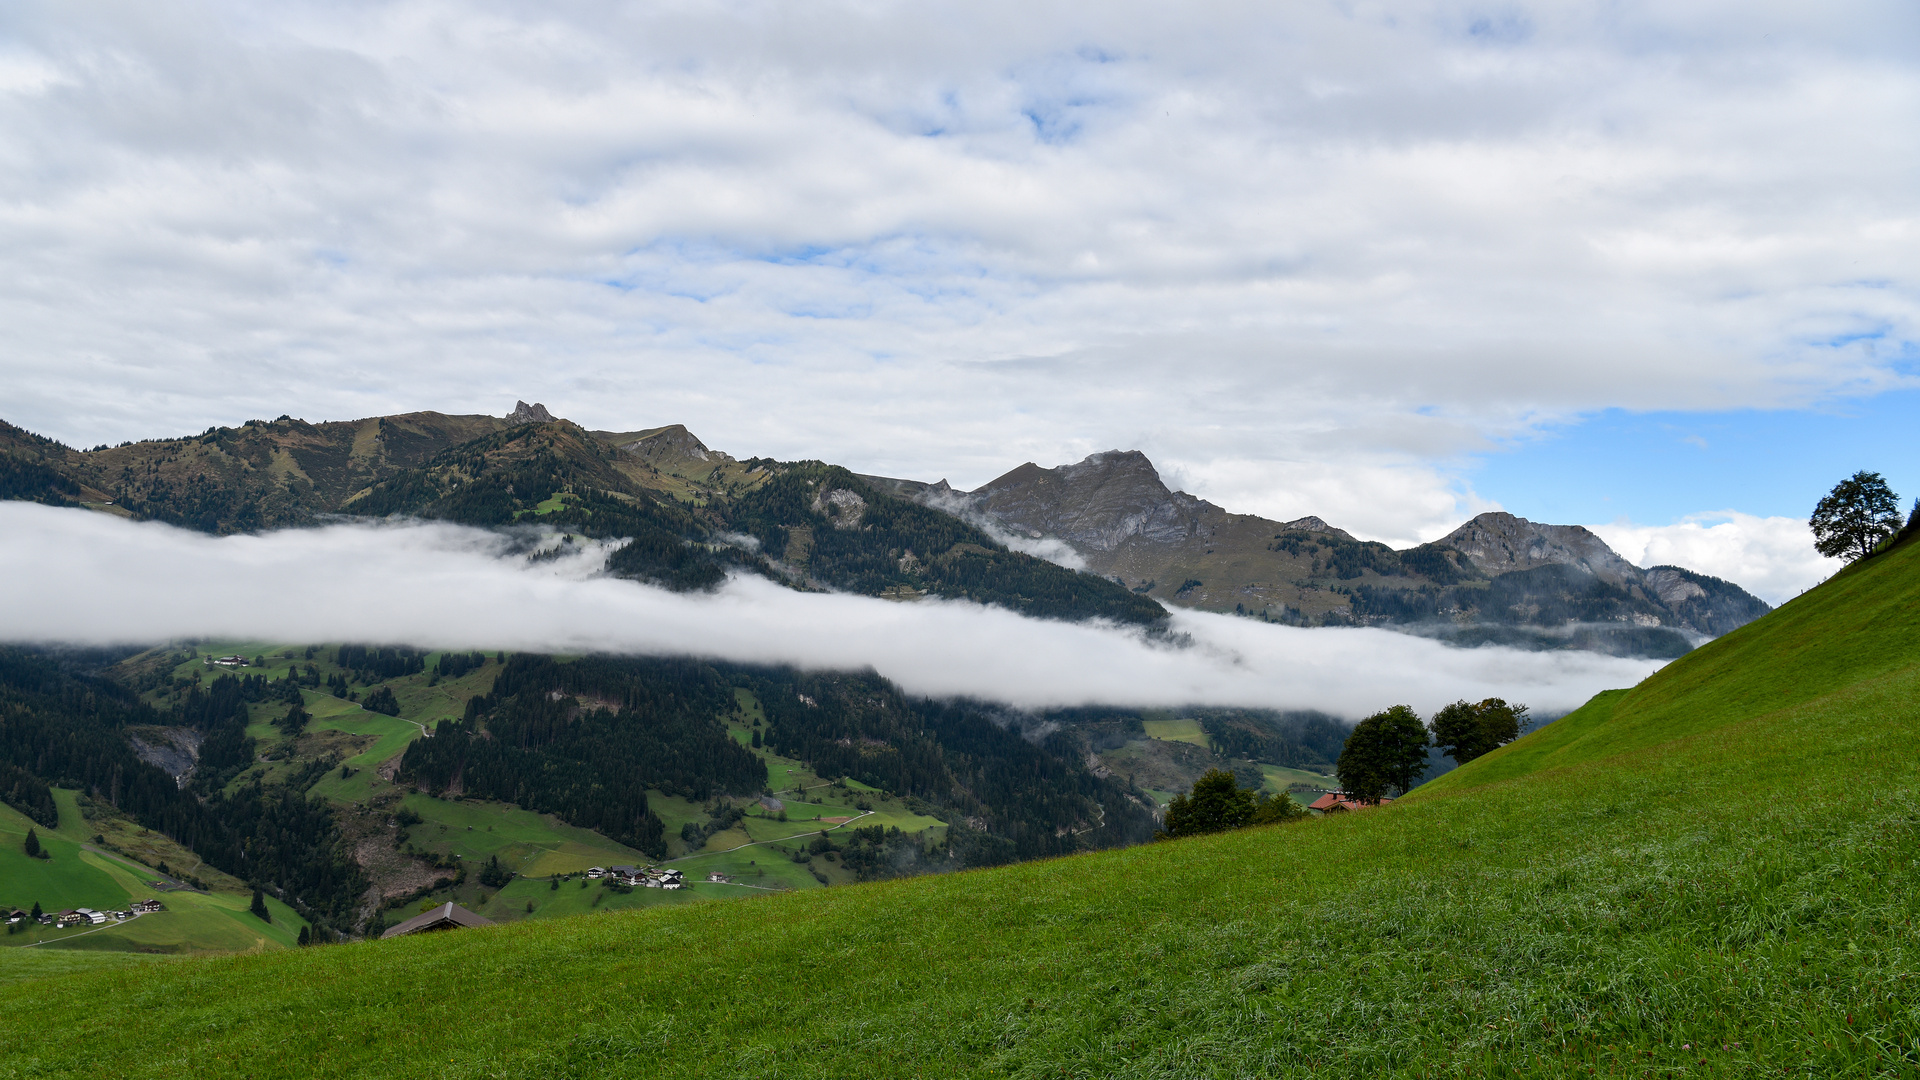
(1339, 800)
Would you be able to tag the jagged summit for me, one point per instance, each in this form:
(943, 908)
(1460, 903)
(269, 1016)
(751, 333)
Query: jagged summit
(1499, 542)
(1314, 523)
(524, 413)
(1497, 578)
(1095, 504)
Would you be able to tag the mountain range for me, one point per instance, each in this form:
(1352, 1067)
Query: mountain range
(693, 513)
(1496, 578)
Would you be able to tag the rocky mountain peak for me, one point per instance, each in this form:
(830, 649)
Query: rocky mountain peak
(1095, 504)
(1314, 523)
(524, 413)
(1499, 542)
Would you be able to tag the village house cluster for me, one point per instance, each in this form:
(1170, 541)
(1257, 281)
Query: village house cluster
(84, 916)
(643, 877)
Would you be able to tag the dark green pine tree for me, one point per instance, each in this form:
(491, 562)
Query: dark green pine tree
(259, 906)
(305, 937)
(33, 844)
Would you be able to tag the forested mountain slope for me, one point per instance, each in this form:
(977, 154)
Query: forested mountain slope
(1707, 875)
(302, 773)
(682, 508)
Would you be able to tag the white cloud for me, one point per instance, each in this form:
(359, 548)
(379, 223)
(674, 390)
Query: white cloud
(77, 576)
(1772, 558)
(1051, 548)
(1301, 253)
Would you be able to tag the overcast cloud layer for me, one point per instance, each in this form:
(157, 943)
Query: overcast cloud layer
(1305, 255)
(83, 577)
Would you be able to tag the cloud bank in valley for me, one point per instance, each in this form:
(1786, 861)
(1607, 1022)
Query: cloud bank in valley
(82, 577)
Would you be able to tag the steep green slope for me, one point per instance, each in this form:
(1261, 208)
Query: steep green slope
(1861, 626)
(1710, 875)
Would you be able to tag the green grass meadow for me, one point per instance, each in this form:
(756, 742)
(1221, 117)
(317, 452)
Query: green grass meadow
(81, 874)
(1186, 731)
(1709, 874)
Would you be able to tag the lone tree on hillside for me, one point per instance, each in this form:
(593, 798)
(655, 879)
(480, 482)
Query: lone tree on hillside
(1386, 752)
(1217, 803)
(1464, 731)
(1855, 516)
(33, 844)
(259, 906)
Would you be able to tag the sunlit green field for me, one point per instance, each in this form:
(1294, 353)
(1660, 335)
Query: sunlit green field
(1711, 874)
(1186, 731)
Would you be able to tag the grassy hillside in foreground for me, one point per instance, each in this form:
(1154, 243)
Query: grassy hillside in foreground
(1862, 625)
(1709, 875)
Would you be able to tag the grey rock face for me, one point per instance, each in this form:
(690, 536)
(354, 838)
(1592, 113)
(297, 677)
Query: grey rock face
(1673, 586)
(1703, 603)
(174, 749)
(1096, 504)
(1313, 523)
(845, 508)
(673, 442)
(1498, 543)
(524, 413)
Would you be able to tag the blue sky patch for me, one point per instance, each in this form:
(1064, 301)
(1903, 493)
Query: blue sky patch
(1656, 468)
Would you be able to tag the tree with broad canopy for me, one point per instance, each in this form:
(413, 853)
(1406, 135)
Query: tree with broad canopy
(1855, 517)
(1386, 752)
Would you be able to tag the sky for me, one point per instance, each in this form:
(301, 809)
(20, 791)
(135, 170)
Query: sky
(88, 578)
(1649, 267)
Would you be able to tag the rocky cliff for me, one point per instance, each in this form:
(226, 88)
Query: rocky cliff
(1498, 543)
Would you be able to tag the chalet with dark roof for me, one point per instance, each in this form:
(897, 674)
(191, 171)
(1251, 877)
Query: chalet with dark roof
(445, 917)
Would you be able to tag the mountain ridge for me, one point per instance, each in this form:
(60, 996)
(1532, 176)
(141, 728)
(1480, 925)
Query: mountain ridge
(1116, 513)
(689, 514)
(1498, 578)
